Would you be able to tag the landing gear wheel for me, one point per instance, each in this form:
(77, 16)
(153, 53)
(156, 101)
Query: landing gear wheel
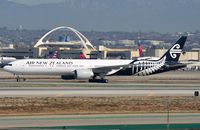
(98, 80)
(18, 79)
(104, 80)
(91, 80)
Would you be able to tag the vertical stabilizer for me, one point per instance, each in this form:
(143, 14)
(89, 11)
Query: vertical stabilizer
(173, 54)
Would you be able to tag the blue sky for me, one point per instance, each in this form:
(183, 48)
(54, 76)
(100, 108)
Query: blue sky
(35, 2)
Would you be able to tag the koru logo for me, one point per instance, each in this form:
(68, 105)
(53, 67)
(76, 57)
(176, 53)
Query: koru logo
(175, 50)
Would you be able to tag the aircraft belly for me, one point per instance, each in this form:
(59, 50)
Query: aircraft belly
(45, 71)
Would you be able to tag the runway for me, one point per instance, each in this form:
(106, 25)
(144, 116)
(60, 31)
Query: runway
(96, 91)
(87, 120)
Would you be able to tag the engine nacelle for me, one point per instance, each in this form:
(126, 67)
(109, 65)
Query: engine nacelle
(79, 74)
(84, 74)
(68, 77)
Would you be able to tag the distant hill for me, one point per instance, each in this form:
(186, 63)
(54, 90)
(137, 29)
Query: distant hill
(105, 15)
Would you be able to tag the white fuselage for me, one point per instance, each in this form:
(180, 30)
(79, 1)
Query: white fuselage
(58, 66)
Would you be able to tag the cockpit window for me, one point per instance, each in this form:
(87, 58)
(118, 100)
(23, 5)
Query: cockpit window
(9, 64)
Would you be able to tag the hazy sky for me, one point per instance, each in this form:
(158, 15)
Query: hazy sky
(35, 2)
(103, 15)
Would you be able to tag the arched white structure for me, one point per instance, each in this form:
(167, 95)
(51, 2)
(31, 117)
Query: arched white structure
(85, 42)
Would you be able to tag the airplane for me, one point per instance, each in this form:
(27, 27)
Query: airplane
(97, 70)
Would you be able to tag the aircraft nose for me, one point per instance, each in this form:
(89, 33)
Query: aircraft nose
(7, 68)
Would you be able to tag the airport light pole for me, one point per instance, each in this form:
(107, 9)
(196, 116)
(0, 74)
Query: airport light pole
(196, 95)
(168, 110)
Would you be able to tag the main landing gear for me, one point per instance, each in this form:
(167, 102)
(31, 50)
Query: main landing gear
(98, 80)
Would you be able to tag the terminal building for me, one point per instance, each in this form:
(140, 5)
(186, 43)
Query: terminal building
(19, 53)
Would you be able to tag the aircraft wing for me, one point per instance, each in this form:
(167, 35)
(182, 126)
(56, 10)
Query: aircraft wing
(109, 70)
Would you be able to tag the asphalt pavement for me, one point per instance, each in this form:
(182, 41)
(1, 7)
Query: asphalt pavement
(96, 91)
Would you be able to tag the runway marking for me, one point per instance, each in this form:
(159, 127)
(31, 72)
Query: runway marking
(151, 94)
(60, 95)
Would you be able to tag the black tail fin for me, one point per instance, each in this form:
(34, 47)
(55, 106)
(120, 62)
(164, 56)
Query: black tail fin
(173, 54)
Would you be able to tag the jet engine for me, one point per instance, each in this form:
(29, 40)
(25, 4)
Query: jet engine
(79, 74)
(68, 77)
(84, 74)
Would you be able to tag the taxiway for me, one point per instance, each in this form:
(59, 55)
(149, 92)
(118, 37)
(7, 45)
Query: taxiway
(87, 120)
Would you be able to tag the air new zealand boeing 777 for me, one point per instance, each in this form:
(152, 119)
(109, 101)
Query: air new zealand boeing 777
(97, 70)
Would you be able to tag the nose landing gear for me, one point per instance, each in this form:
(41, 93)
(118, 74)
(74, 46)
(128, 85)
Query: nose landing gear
(19, 79)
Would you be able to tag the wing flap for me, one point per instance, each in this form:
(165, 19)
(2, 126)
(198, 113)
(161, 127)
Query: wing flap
(108, 70)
